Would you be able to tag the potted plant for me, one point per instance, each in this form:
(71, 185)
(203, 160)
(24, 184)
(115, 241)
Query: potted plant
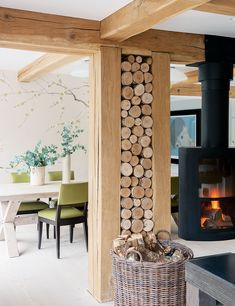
(69, 145)
(34, 161)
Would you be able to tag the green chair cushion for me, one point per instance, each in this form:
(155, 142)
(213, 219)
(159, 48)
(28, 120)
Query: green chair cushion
(70, 194)
(20, 177)
(66, 213)
(34, 205)
(57, 175)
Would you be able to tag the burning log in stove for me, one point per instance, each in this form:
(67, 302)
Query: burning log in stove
(213, 216)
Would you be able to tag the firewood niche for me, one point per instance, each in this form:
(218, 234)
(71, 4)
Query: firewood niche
(136, 145)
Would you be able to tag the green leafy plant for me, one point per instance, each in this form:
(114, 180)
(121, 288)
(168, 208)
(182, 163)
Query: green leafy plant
(69, 142)
(40, 156)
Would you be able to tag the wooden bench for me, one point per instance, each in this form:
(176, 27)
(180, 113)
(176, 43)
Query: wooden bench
(213, 277)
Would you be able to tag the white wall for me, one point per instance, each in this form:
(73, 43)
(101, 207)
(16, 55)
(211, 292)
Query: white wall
(35, 111)
(181, 103)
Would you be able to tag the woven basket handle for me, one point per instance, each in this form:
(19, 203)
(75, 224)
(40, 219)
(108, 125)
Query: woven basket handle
(135, 252)
(165, 232)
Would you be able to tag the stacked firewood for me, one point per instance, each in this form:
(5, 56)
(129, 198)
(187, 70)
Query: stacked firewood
(136, 131)
(136, 247)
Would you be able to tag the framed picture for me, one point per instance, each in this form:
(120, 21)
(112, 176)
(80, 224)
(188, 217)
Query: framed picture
(185, 131)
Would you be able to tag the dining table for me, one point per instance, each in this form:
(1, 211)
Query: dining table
(11, 195)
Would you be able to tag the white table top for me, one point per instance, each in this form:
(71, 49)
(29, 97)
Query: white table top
(24, 191)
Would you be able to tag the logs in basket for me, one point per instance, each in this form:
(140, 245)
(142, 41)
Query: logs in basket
(136, 145)
(148, 272)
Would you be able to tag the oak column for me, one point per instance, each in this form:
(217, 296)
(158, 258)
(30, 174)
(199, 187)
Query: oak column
(104, 168)
(161, 141)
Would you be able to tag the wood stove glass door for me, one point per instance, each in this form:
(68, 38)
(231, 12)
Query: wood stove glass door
(217, 193)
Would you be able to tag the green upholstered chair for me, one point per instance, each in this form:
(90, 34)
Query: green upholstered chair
(57, 175)
(174, 194)
(29, 207)
(65, 213)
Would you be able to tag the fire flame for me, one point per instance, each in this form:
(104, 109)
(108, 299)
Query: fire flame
(202, 221)
(215, 205)
(215, 194)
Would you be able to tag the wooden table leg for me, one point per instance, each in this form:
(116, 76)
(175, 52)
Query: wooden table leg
(9, 228)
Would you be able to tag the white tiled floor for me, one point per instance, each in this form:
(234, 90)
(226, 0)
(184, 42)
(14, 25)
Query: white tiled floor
(37, 278)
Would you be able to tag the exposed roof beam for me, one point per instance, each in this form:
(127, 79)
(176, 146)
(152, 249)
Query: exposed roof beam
(141, 15)
(191, 87)
(224, 7)
(45, 64)
(187, 89)
(59, 34)
(192, 76)
(46, 32)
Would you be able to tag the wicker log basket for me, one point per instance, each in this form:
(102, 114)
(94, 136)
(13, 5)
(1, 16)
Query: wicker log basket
(141, 283)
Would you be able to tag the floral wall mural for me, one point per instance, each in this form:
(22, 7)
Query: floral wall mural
(38, 110)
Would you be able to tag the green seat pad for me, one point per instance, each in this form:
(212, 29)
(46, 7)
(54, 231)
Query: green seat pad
(34, 205)
(66, 213)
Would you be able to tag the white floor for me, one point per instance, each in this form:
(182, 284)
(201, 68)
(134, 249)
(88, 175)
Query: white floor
(37, 278)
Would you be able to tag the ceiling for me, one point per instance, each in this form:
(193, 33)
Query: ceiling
(190, 21)
(90, 9)
(201, 23)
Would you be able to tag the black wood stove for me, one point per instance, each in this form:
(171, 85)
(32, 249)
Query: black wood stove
(207, 174)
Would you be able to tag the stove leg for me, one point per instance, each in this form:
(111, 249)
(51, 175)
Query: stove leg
(195, 297)
(206, 300)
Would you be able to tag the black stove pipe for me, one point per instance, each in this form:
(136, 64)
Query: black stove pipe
(215, 79)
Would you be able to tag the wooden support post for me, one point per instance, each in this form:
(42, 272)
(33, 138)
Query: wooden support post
(161, 141)
(104, 168)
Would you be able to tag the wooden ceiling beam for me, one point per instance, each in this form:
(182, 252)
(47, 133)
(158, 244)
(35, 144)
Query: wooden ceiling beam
(58, 34)
(192, 76)
(182, 47)
(46, 32)
(141, 15)
(45, 64)
(187, 89)
(224, 7)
